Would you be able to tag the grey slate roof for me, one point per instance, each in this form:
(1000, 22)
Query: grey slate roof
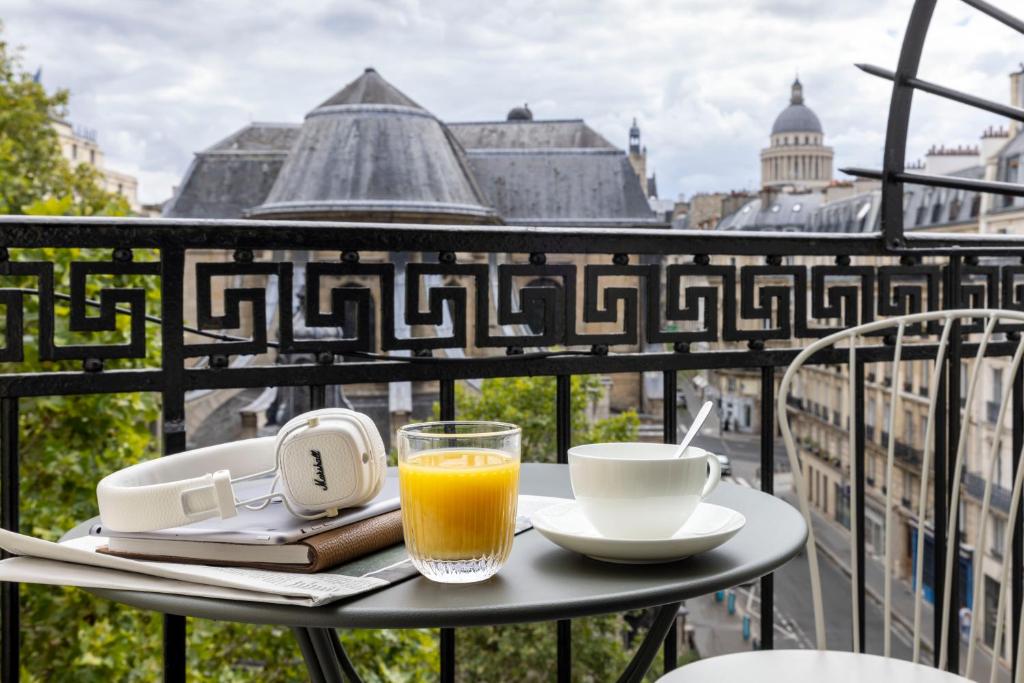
(370, 149)
(925, 208)
(787, 212)
(859, 213)
(594, 186)
(233, 175)
(932, 207)
(1009, 170)
(520, 134)
(797, 118)
(370, 88)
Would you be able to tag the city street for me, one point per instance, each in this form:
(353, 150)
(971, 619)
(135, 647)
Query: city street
(794, 610)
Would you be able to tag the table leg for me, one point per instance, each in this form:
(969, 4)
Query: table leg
(316, 674)
(648, 650)
(324, 650)
(346, 662)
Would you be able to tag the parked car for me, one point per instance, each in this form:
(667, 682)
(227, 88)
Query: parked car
(723, 460)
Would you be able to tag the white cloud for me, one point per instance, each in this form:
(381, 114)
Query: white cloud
(160, 80)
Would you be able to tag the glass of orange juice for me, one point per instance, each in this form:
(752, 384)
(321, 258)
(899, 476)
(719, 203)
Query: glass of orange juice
(459, 485)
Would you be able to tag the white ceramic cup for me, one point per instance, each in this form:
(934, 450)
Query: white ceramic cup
(639, 490)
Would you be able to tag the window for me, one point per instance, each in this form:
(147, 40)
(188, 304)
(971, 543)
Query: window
(998, 532)
(869, 414)
(869, 466)
(921, 211)
(908, 427)
(963, 384)
(92, 157)
(925, 378)
(975, 205)
(908, 486)
(937, 213)
(991, 605)
(732, 384)
(1012, 176)
(997, 384)
(74, 152)
(954, 209)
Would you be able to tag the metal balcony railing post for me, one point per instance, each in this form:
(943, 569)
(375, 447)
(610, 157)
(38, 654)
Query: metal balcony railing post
(563, 434)
(858, 500)
(172, 274)
(899, 122)
(670, 429)
(768, 486)
(9, 519)
(953, 426)
(446, 399)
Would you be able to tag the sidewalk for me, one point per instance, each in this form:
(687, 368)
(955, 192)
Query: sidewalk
(716, 632)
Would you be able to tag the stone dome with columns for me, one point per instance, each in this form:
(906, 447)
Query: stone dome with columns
(797, 156)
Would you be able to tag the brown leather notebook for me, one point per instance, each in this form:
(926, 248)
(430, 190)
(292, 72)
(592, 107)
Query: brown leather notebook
(323, 551)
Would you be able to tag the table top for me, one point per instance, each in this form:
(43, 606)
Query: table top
(540, 582)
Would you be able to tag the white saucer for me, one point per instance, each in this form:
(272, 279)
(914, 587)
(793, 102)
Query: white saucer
(709, 527)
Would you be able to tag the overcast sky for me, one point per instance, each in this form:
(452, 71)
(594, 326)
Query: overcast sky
(705, 78)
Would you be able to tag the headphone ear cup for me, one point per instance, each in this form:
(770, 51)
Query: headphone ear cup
(378, 454)
(330, 458)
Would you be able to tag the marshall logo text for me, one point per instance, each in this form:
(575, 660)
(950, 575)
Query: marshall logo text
(318, 469)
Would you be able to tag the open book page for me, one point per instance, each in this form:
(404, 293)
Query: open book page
(76, 563)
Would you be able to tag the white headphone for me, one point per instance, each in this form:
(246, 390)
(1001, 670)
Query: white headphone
(324, 460)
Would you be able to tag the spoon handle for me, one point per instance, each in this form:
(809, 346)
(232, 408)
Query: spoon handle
(694, 429)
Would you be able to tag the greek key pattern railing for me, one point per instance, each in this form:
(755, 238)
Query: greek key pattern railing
(646, 303)
(409, 303)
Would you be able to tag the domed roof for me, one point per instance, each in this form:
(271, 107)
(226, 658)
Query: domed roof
(522, 113)
(371, 151)
(797, 117)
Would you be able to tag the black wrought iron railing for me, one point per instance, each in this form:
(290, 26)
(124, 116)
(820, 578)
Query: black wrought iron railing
(497, 302)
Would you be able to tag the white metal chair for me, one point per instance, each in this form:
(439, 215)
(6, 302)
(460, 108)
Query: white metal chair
(795, 666)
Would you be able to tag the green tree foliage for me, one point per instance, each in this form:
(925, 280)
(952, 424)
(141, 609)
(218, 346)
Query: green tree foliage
(530, 403)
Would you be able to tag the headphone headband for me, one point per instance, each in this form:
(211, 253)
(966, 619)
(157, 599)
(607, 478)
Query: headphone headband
(325, 460)
(182, 488)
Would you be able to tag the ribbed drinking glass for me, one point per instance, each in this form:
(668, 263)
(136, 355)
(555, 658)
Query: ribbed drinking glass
(459, 485)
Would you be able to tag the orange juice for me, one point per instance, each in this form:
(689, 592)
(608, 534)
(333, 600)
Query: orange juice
(459, 504)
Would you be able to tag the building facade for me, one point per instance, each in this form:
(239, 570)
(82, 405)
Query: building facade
(818, 403)
(81, 146)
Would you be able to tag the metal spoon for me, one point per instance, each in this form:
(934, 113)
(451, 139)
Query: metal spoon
(694, 429)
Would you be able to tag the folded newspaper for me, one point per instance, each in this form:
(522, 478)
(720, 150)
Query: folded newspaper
(75, 562)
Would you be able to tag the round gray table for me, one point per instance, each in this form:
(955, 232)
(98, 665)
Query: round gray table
(540, 582)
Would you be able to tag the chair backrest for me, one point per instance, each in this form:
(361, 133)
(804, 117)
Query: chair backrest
(983, 324)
